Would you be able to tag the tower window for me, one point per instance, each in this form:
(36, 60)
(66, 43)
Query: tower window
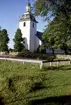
(33, 24)
(24, 24)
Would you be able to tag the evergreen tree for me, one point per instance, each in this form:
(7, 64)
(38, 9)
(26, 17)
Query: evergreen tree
(18, 40)
(4, 39)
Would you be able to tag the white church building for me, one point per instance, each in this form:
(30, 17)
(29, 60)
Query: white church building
(28, 27)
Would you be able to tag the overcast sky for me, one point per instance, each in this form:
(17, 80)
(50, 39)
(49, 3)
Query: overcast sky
(10, 12)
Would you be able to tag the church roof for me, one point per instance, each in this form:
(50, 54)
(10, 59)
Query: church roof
(39, 35)
(28, 16)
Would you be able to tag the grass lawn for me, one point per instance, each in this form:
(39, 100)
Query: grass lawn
(26, 84)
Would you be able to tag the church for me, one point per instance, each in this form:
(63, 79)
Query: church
(28, 27)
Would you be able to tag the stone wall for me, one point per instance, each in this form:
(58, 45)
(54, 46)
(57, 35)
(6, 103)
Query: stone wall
(57, 63)
(13, 54)
(3, 53)
(63, 57)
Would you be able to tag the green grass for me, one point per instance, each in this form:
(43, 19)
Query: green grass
(26, 84)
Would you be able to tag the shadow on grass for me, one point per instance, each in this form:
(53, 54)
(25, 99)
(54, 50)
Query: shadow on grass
(61, 100)
(58, 68)
(37, 86)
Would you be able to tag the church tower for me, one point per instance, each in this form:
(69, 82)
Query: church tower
(28, 24)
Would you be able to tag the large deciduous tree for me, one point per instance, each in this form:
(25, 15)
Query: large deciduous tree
(58, 32)
(55, 35)
(18, 40)
(4, 39)
(55, 7)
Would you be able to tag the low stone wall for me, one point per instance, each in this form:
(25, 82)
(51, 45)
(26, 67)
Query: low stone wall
(63, 57)
(3, 53)
(57, 63)
(13, 54)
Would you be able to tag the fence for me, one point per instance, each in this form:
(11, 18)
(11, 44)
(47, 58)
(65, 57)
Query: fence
(40, 62)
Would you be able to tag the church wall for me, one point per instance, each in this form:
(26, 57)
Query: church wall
(25, 32)
(33, 36)
(40, 42)
(28, 32)
(28, 27)
(37, 42)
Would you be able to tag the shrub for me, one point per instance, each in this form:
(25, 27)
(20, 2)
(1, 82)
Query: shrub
(36, 56)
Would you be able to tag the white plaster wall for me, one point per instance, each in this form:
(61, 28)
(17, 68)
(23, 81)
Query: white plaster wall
(28, 32)
(37, 42)
(33, 36)
(40, 42)
(25, 32)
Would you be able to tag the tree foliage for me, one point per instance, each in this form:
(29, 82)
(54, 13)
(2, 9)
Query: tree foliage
(58, 33)
(4, 39)
(18, 40)
(55, 7)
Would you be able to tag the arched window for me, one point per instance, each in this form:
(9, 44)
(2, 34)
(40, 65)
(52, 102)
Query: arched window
(24, 24)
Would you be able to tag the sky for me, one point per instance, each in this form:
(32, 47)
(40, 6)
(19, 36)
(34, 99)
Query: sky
(10, 12)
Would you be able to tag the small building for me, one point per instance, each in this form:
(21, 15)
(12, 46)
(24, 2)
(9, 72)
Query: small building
(28, 27)
(56, 51)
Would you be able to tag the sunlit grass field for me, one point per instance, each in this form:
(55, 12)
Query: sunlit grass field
(26, 84)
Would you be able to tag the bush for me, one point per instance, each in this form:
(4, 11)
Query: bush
(36, 56)
(25, 50)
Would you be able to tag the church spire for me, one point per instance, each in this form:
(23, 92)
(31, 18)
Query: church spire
(28, 7)
(29, 3)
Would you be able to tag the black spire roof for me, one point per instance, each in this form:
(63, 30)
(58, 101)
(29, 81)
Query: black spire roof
(39, 35)
(28, 16)
(29, 3)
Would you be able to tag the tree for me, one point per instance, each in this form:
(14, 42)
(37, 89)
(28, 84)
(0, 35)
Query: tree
(56, 36)
(58, 32)
(55, 7)
(4, 39)
(18, 40)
